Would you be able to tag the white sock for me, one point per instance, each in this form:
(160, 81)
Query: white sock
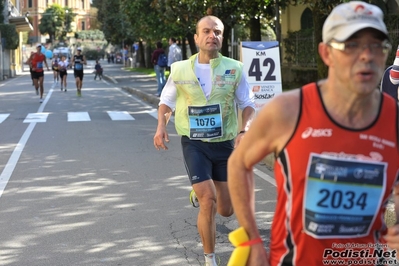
(210, 259)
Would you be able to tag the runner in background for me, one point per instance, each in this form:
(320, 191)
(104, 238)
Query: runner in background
(78, 60)
(54, 67)
(35, 62)
(63, 68)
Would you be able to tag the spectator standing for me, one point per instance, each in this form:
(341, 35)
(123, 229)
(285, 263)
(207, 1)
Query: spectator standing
(159, 71)
(174, 52)
(99, 70)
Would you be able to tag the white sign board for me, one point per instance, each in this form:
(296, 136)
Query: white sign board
(262, 67)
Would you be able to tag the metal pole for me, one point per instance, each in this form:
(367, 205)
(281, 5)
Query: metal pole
(232, 42)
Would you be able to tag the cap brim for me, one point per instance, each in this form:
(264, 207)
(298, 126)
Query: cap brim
(345, 34)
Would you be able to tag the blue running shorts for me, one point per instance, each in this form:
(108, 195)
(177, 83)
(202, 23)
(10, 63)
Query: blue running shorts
(206, 160)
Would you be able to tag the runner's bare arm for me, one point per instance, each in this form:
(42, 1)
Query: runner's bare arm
(268, 133)
(161, 135)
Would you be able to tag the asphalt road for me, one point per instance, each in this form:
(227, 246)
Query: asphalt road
(82, 184)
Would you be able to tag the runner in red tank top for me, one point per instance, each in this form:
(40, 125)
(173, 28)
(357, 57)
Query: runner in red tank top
(337, 155)
(35, 62)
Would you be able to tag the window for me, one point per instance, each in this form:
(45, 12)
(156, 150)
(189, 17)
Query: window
(83, 4)
(83, 25)
(66, 3)
(307, 19)
(30, 4)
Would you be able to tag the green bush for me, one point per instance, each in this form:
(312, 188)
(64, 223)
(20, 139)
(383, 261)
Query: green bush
(10, 36)
(93, 54)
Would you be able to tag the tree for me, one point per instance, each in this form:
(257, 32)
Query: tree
(69, 17)
(52, 21)
(114, 22)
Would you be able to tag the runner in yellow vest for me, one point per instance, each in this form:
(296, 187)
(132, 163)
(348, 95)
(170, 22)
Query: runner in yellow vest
(203, 92)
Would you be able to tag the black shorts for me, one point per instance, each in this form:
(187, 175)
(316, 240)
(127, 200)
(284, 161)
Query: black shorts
(37, 75)
(206, 160)
(63, 73)
(55, 69)
(78, 74)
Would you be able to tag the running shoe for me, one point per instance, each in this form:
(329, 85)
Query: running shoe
(62, 88)
(79, 93)
(217, 260)
(194, 199)
(37, 91)
(41, 100)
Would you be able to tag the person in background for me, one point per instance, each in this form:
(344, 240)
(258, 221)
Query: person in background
(174, 54)
(204, 91)
(30, 68)
(78, 61)
(159, 71)
(336, 151)
(54, 67)
(63, 68)
(390, 80)
(99, 70)
(35, 62)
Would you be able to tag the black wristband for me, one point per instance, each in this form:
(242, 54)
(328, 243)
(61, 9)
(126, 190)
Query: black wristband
(242, 132)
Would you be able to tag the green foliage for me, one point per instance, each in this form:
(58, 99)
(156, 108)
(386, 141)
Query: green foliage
(9, 33)
(90, 35)
(93, 54)
(56, 22)
(2, 8)
(300, 47)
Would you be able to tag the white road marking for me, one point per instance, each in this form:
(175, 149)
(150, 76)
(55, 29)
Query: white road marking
(78, 116)
(12, 162)
(36, 118)
(120, 115)
(265, 177)
(3, 117)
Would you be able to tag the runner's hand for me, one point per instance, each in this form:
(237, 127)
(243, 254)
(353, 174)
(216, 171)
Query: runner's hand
(258, 256)
(161, 136)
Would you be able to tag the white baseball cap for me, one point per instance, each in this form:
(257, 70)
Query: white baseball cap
(79, 48)
(38, 45)
(348, 18)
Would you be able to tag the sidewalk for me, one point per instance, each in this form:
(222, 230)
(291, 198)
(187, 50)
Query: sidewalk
(141, 85)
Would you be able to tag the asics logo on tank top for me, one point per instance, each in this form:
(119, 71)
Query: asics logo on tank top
(316, 132)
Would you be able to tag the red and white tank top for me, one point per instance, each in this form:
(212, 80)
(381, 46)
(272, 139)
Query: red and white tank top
(333, 185)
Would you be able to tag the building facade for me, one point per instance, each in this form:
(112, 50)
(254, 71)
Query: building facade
(36, 10)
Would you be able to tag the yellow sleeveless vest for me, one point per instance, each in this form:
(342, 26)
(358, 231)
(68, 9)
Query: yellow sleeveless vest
(226, 75)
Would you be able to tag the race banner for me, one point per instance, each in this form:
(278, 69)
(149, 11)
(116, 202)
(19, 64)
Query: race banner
(262, 67)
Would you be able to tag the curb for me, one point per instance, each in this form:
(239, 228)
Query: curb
(146, 97)
(152, 99)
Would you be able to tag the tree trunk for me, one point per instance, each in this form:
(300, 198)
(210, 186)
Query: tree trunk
(254, 25)
(191, 42)
(183, 48)
(141, 54)
(226, 37)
